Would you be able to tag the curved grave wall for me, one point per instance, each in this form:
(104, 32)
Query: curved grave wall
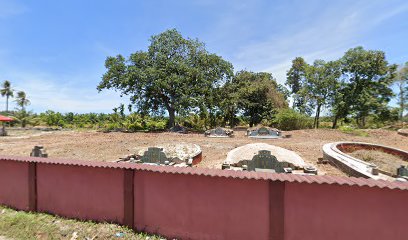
(403, 132)
(337, 153)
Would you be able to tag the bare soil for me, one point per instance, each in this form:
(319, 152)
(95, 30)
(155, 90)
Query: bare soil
(98, 146)
(384, 161)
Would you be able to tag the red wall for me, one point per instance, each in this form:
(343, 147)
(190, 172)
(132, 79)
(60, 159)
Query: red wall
(80, 192)
(206, 204)
(14, 184)
(334, 212)
(199, 207)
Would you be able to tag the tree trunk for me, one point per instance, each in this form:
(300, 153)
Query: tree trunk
(336, 117)
(172, 117)
(317, 116)
(402, 100)
(7, 98)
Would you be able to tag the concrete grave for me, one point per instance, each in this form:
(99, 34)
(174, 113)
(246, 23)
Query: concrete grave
(264, 133)
(262, 157)
(174, 154)
(179, 129)
(219, 132)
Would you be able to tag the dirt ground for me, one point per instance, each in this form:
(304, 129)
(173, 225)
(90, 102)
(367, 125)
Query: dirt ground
(98, 146)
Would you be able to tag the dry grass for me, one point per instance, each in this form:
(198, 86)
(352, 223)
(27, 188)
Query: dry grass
(22, 225)
(384, 161)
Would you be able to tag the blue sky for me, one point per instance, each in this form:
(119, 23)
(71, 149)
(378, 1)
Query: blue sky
(55, 50)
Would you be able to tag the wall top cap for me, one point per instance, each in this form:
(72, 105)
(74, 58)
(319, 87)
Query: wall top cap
(282, 177)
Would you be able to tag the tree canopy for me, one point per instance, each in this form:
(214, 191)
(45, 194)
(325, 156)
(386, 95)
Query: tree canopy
(175, 74)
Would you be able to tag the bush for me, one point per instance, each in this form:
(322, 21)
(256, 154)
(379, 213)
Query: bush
(288, 119)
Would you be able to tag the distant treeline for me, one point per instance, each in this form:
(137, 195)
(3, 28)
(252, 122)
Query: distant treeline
(178, 76)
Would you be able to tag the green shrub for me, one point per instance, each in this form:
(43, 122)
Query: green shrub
(351, 130)
(288, 119)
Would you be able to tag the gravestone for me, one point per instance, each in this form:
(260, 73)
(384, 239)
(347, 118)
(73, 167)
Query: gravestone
(154, 155)
(263, 131)
(39, 151)
(265, 160)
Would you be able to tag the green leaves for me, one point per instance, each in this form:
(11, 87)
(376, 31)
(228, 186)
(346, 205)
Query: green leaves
(175, 74)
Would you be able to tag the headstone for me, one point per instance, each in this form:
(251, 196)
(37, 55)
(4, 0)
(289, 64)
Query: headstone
(39, 151)
(225, 166)
(154, 155)
(265, 160)
(402, 171)
(263, 131)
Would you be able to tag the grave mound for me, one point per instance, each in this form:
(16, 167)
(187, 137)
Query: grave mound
(265, 158)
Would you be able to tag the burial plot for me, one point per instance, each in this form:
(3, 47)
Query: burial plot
(264, 133)
(219, 132)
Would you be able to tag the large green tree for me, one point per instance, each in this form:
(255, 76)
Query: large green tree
(321, 85)
(296, 80)
(257, 96)
(6, 91)
(175, 74)
(401, 80)
(368, 76)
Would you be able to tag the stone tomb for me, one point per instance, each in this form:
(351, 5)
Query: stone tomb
(219, 132)
(264, 133)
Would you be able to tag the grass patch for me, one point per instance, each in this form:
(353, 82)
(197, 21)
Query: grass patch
(22, 225)
(353, 131)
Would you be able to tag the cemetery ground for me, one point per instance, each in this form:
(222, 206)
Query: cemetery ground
(98, 146)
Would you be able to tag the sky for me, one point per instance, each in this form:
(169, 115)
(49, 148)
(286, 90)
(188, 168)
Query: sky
(55, 50)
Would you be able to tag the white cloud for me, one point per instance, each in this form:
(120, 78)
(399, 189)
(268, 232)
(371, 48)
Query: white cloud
(327, 32)
(10, 8)
(66, 95)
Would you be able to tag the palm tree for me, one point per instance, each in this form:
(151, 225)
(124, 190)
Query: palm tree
(22, 100)
(7, 91)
